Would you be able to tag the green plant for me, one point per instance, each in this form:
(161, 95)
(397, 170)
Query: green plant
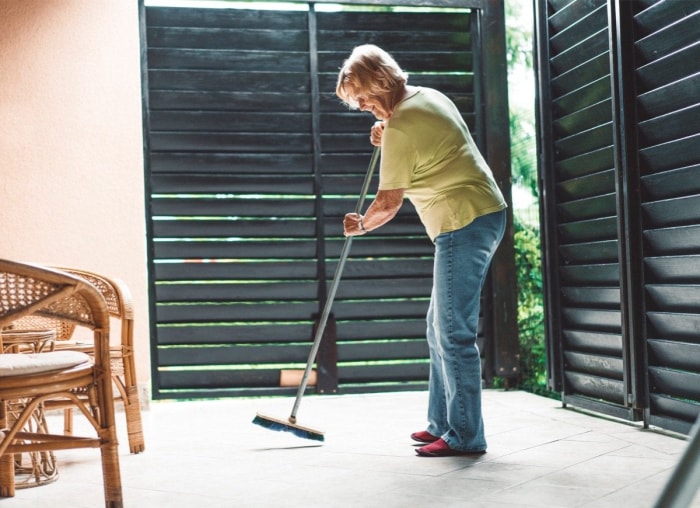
(533, 360)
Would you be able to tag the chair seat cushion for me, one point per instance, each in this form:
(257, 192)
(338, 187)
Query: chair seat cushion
(37, 363)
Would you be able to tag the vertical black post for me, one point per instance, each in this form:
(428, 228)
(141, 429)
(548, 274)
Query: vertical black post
(145, 112)
(494, 89)
(487, 347)
(547, 189)
(327, 357)
(621, 17)
(326, 360)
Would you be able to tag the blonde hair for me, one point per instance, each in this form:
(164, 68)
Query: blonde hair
(369, 70)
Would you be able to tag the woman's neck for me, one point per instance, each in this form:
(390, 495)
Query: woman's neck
(401, 94)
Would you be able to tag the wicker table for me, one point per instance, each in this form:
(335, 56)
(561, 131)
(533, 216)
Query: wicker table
(35, 468)
(27, 341)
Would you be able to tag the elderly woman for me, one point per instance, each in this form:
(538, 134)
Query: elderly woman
(429, 157)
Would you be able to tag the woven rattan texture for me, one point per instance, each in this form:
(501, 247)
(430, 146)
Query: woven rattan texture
(17, 292)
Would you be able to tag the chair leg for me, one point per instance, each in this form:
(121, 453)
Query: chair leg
(7, 475)
(68, 421)
(134, 427)
(132, 404)
(7, 460)
(102, 403)
(110, 473)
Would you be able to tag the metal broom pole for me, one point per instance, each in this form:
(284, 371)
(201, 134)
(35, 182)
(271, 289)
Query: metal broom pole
(333, 289)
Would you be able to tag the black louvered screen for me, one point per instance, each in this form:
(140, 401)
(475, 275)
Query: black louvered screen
(233, 203)
(253, 162)
(619, 132)
(582, 228)
(667, 70)
(381, 304)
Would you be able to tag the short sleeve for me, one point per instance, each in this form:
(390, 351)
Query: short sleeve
(398, 160)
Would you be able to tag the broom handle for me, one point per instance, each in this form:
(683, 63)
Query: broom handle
(334, 287)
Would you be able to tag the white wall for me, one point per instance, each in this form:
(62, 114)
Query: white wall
(71, 148)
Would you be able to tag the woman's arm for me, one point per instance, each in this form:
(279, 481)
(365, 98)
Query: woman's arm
(385, 205)
(384, 208)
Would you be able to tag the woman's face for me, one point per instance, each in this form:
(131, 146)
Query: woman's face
(374, 105)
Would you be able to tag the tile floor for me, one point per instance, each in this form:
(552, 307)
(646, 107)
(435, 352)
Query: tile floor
(208, 454)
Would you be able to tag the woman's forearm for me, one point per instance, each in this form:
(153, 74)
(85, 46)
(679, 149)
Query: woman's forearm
(385, 206)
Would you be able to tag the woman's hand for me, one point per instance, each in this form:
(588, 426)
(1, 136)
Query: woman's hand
(375, 133)
(384, 207)
(352, 223)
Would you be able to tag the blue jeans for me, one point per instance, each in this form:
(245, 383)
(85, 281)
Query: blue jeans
(462, 260)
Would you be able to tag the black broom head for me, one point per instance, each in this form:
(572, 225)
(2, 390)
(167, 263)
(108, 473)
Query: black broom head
(285, 426)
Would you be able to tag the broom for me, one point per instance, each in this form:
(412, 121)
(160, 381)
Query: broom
(290, 424)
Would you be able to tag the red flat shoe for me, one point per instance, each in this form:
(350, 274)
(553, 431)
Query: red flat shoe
(440, 448)
(424, 437)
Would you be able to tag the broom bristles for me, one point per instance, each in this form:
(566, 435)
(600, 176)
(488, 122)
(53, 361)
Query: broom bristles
(271, 423)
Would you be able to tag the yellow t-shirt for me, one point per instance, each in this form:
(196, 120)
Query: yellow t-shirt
(427, 151)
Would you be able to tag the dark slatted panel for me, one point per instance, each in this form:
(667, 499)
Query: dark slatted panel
(620, 133)
(246, 214)
(668, 109)
(582, 225)
(233, 197)
(375, 345)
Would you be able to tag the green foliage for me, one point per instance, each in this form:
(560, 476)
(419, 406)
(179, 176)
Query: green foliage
(518, 34)
(523, 149)
(519, 54)
(521, 94)
(533, 368)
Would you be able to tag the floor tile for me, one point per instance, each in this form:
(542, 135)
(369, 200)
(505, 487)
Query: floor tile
(208, 454)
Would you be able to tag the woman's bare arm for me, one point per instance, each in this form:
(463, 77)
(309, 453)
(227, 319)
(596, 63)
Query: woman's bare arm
(385, 206)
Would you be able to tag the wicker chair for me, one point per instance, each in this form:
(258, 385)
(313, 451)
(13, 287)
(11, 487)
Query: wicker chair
(40, 378)
(119, 305)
